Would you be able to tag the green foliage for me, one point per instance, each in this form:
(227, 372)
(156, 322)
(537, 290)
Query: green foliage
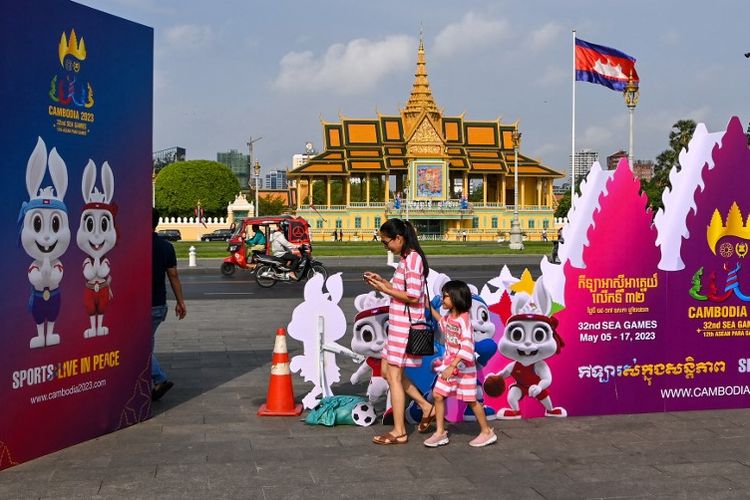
(477, 195)
(563, 205)
(180, 186)
(326, 249)
(271, 206)
(679, 136)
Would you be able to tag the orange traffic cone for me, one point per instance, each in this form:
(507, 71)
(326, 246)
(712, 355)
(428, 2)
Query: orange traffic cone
(280, 399)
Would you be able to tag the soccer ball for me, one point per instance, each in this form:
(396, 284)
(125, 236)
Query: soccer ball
(363, 414)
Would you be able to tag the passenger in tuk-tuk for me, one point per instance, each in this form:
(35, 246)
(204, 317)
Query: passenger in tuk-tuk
(256, 244)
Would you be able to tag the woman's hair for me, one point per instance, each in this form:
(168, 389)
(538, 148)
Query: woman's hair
(256, 227)
(397, 227)
(460, 295)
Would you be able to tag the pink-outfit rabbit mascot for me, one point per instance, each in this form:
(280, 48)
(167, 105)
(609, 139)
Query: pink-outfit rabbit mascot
(97, 236)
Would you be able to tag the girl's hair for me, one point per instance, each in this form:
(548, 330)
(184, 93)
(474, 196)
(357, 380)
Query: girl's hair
(397, 227)
(460, 295)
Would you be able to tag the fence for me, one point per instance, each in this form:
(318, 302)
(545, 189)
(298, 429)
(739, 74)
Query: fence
(189, 227)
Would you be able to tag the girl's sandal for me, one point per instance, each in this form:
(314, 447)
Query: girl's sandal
(389, 438)
(427, 421)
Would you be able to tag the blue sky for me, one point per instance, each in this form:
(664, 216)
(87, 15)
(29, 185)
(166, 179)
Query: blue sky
(230, 69)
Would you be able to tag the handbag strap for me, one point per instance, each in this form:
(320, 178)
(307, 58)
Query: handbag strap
(406, 305)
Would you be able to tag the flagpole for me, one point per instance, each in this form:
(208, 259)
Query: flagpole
(573, 127)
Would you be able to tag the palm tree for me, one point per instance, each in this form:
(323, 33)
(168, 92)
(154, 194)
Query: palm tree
(679, 137)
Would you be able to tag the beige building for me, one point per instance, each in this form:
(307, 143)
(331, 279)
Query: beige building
(446, 174)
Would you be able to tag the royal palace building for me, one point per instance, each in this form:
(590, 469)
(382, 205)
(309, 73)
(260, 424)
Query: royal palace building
(446, 174)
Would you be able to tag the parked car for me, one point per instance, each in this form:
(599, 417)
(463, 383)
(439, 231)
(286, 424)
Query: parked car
(170, 234)
(217, 235)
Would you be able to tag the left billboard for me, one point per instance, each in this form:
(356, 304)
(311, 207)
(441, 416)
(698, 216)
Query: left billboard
(76, 131)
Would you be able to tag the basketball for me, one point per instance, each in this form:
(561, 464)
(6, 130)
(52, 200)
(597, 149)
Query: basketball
(494, 385)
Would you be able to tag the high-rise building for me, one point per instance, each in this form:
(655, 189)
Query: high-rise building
(583, 161)
(643, 169)
(300, 159)
(276, 179)
(237, 163)
(164, 157)
(614, 159)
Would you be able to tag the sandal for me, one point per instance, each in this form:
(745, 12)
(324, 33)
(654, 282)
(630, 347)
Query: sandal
(426, 422)
(389, 438)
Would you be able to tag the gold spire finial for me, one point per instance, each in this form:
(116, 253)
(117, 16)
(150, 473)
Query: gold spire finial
(421, 96)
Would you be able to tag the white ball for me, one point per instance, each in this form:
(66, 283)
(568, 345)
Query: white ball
(363, 414)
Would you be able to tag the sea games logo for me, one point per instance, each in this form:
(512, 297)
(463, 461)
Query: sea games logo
(71, 94)
(720, 284)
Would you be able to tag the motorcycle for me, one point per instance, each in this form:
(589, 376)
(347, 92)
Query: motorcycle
(270, 270)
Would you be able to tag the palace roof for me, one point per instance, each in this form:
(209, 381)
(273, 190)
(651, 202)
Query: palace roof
(388, 143)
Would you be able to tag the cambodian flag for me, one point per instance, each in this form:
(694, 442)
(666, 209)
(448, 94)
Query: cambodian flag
(603, 65)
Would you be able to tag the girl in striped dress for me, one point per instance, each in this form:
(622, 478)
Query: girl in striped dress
(458, 371)
(406, 289)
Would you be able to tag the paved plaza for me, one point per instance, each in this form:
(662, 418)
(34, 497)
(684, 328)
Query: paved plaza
(205, 440)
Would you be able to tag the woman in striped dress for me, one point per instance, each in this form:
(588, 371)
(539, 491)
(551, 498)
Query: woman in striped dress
(406, 289)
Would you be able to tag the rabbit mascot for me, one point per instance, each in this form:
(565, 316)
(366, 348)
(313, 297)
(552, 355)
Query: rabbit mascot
(529, 339)
(369, 335)
(96, 236)
(45, 236)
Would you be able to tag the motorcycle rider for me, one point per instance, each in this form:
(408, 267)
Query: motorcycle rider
(281, 248)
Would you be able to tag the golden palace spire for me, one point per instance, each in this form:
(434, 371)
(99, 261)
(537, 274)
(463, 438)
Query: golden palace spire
(421, 96)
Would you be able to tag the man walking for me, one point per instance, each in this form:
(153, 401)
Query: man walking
(164, 263)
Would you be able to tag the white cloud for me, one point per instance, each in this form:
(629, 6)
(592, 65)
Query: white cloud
(187, 36)
(355, 67)
(547, 149)
(472, 32)
(671, 37)
(595, 136)
(553, 76)
(545, 36)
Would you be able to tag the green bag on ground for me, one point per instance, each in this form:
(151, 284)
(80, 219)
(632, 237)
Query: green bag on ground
(334, 410)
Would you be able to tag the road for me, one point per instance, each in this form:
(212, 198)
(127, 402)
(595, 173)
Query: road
(206, 285)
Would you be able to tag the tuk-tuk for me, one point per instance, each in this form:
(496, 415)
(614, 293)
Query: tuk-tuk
(296, 232)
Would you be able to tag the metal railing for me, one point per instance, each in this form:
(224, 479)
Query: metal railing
(449, 207)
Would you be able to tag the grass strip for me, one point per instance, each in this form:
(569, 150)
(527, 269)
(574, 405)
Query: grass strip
(214, 249)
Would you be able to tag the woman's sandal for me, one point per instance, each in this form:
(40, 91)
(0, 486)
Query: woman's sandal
(389, 438)
(426, 422)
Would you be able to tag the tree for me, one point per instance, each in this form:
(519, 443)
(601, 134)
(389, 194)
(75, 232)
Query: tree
(271, 206)
(563, 206)
(180, 186)
(679, 137)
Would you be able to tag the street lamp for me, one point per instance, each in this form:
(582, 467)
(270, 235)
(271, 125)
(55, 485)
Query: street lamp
(631, 94)
(516, 241)
(256, 172)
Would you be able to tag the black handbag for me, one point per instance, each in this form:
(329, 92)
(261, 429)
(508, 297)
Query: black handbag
(421, 335)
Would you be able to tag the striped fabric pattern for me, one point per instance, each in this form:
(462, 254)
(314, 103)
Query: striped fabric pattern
(459, 342)
(410, 271)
